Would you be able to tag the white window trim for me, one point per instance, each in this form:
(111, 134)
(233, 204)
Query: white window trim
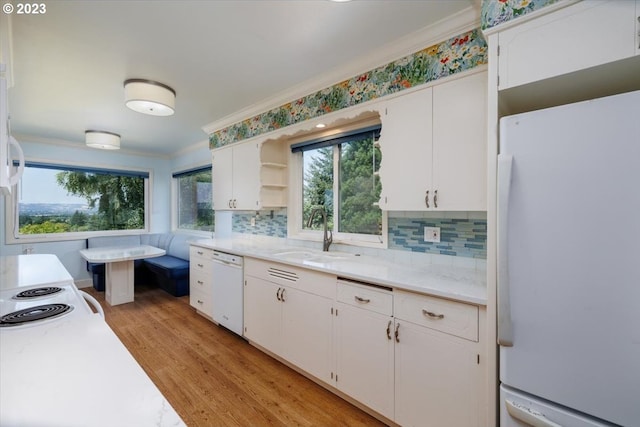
(174, 202)
(294, 222)
(11, 211)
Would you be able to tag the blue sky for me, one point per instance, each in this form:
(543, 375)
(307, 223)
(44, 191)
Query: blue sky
(39, 186)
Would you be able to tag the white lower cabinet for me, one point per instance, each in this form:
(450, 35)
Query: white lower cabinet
(415, 359)
(438, 376)
(307, 332)
(200, 280)
(263, 313)
(292, 323)
(364, 346)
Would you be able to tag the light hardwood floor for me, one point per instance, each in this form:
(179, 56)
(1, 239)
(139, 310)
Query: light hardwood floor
(211, 376)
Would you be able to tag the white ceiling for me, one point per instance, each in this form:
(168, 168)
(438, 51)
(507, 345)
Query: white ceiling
(219, 56)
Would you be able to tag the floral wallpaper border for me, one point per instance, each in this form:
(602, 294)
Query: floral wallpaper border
(457, 54)
(495, 12)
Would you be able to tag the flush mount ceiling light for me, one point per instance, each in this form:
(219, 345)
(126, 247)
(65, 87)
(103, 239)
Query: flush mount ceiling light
(102, 139)
(149, 97)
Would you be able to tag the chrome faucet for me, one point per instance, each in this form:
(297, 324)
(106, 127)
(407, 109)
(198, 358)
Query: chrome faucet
(328, 235)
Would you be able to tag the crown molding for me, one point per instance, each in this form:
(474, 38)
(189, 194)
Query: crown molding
(451, 26)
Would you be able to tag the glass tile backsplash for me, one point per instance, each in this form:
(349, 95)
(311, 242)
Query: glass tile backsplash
(267, 223)
(458, 237)
(465, 236)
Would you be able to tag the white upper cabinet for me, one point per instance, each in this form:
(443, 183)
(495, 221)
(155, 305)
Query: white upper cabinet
(433, 144)
(236, 177)
(250, 176)
(459, 144)
(406, 145)
(580, 36)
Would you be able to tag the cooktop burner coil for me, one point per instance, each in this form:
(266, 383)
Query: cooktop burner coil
(32, 314)
(38, 292)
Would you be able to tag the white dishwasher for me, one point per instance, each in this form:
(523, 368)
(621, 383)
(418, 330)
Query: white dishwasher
(228, 291)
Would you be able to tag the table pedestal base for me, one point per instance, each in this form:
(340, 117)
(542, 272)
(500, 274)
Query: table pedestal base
(119, 282)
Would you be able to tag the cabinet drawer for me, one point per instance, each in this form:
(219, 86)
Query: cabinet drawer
(200, 257)
(201, 301)
(200, 282)
(365, 297)
(197, 251)
(450, 317)
(311, 281)
(200, 264)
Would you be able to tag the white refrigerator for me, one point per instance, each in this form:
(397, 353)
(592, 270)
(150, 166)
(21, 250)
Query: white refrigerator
(569, 265)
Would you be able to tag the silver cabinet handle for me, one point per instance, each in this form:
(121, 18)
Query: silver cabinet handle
(389, 329)
(200, 265)
(362, 300)
(435, 199)
(282, 295)
(432, 314)
(426, 199)
(234, 203)
(278, 294)
(397, 334)
(200, 253)
(230, 203)
(200, 302)
(200, 282)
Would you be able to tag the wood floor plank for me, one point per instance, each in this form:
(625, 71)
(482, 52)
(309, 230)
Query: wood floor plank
(211, 376)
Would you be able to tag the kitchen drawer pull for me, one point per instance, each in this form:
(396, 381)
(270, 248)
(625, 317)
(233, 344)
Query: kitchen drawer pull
(435, 199)
(200, 302)
(362, 300)
(432, 314)
(389, 329)
(200, 282)
(282, 294)
(426, 199)
(278, 294)
(200, 252)
(397, 334)
(200, 265)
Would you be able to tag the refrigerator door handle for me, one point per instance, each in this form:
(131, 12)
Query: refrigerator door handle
(505, 331)
(528, 416)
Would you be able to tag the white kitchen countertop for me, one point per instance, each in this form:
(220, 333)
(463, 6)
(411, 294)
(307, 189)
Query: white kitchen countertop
(457, 283)
(76, 373)
(29, 270)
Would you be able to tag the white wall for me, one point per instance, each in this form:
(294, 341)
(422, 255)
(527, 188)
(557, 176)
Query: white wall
(62, 151)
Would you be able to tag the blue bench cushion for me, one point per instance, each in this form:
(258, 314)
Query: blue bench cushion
(169, 266)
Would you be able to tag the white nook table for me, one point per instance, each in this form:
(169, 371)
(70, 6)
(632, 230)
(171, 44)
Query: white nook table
(118, 269)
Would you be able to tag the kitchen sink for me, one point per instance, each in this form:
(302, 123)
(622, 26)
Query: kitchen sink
(320, 257)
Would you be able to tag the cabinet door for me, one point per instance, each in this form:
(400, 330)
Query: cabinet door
(263, 314)
(246, 176)
(577, 37)
(365, 357)
(307, 325)
(460, 144)
(406, 146)
(222, 175)
(437, 379)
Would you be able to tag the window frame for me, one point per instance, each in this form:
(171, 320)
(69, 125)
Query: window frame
(175, 199)
(296, 180)
(12, 214)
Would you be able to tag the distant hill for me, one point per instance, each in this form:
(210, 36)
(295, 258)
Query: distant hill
(54, 208)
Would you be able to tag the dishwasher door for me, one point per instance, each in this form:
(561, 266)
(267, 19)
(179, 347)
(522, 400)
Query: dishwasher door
(228, 291)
